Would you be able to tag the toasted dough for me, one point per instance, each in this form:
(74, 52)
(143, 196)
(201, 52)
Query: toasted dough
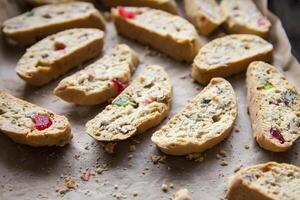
(268, 181)
(163, 31)
(17, 122)
(142, 105)
(229, 55)
(58, 53)
(274, 107)
(244, 17)
(166, 5)
(206, 15)
(97, 82)
(206, 120)
(40, 22)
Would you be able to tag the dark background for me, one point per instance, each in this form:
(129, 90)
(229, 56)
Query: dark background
(289, 13)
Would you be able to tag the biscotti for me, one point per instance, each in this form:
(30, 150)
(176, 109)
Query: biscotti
(163, 31)
(274, 107)
(206, 15)
(32, 125)
(204, 122)
(100, 81)
(58, 53)
(268, 181)
(229, 55)
(142, 105)
(166, 5)
(40, 22)
(44, 2)
(244, 17)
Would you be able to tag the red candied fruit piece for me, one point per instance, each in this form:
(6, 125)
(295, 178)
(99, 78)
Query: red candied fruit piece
(262, 21)
(119, 85)
(276, 134)
(41, 122)
(126, 13)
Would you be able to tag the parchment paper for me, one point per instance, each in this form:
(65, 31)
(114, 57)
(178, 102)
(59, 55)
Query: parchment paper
(35, 173)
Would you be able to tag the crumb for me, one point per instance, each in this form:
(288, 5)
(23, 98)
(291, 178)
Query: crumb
(135, 194)
(116, 187)
(172, 186)
(224, 163)
(86, 175)
(87, 147)
(164, 187)
(100, 169)
(130, 156)
(247, 146)
(183, 77)
(110, 148)
(182, 194)
(132, 148)
(158, 159)
(197, 157)
(237, 168)
(71, 184)
(223, 153)
(237, 130)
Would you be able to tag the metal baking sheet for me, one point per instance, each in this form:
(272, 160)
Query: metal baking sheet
(40, 173)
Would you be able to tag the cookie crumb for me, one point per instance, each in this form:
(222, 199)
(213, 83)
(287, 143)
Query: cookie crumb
(197, 157)
(135, 194)
(182, 194)
(164, 187)
(158, 159)
(110, 148)
(86, 175)
(237, 168)
(224, 163)
(130, 156)
(223, 153)
(247, 146)
(132, 148)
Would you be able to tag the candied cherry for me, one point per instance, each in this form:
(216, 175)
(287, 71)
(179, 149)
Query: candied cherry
(41, 121)
(275, 132)
(119, 85)
(126, 13)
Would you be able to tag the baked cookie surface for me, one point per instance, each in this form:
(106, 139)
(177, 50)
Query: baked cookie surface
(244, 17)
(166, 5)
(206, 15)
(142, 105)
(42, 21)
(32, 125)
(163, 31)
(274, 107)
(204, 122)
(55, 55)
(228, 55)
(102, 80)
(268, 181)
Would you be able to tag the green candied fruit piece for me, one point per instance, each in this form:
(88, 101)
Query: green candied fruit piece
(266, 86)
(121, 101)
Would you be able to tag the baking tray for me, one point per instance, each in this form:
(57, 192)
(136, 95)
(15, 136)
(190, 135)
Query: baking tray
(40, 173)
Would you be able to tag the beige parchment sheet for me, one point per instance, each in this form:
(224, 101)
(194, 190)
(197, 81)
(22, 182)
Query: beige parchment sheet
(35, 173)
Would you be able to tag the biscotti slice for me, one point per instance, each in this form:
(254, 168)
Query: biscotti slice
(100, 81)
(244, 17)
(40, 22)
(58, 53)
(206, 120)
(142, 105)
(206, 15)
(166, 5)
(229, 55)
(268, 181)
(163, 31)
(274, 107)
(44, 2)
(32, 125)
